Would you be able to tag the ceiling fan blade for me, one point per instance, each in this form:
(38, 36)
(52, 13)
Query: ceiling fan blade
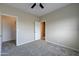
(33, 5)
(41, 5)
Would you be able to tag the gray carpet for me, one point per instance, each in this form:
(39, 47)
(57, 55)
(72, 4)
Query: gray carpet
(8, 45)
(40, 48)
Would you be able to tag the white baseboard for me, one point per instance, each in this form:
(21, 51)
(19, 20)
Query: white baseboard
(63, 46)
(25, 43)
(6, 41)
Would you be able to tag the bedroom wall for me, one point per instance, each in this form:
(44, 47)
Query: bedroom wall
(9, 28)
(24, 24)
(62, 26)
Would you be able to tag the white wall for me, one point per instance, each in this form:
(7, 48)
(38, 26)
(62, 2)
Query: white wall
(9, 28)
(61, 26)
(24, 24)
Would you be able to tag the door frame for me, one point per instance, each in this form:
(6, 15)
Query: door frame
(41, 20)
(2, 25)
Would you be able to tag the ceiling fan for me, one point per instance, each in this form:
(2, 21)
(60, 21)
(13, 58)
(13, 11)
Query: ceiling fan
(40, 4)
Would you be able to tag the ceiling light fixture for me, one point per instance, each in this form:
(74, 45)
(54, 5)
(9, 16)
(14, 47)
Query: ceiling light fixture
(40, 4)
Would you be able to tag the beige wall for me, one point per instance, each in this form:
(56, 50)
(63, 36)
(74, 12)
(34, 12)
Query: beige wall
(62, 26)
(9, 28)
(24, 24)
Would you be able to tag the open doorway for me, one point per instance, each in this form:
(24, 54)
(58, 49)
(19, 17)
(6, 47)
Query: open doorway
(39, 30)
(8, 33)
(42, 30)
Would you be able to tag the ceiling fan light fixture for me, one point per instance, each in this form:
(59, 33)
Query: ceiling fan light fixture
(40, 5)
(33, 5)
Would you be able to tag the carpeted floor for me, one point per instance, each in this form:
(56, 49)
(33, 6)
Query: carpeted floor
(6, 46)
(40, 48)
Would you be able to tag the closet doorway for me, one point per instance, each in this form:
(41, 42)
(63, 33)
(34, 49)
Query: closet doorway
(40, 30)
(8, 33)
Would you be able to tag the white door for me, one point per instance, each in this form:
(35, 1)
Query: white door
(37, 30)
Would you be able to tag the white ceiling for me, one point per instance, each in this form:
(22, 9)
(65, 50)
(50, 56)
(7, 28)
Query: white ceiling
(48, 7)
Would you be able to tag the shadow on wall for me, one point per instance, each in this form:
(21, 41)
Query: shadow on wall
(63, 32)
